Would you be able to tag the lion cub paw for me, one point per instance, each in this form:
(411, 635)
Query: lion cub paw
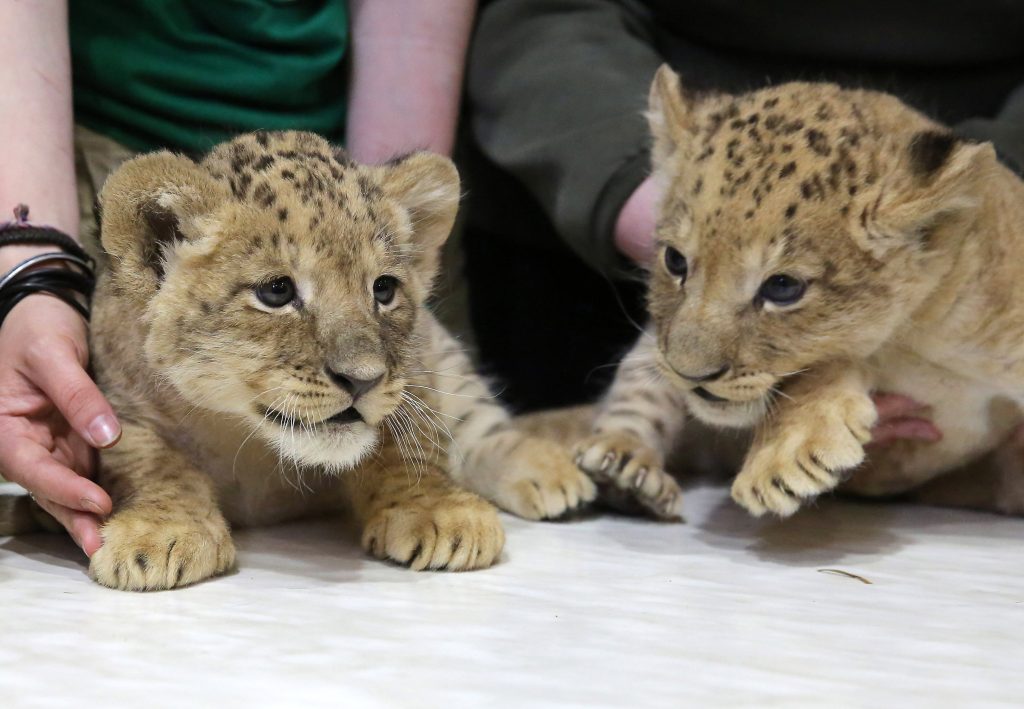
(451, 529)
(539, 481)
(147, 552)
(805, 458)
(622, 462)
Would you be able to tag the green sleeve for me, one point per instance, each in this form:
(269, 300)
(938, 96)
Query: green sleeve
(558, 91)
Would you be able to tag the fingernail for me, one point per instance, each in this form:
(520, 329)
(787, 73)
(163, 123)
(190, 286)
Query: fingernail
(92, 506)
(104, 431)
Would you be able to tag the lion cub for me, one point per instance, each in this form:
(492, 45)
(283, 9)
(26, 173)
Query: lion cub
(260, 328)
(815, 244)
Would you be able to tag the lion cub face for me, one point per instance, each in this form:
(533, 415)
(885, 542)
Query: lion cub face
(800, 224)
(279, 282)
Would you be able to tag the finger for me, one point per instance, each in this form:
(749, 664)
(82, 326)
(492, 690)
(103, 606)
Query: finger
(907, 429)
(77, 455)
(56, 370)
(84, 458)
(891, 406)
(31, 466)
(83, 527)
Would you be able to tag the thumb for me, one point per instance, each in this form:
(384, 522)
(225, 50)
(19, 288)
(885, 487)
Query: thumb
(59, 373)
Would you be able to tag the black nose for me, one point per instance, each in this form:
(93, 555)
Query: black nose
(709, 377)
(353, 385)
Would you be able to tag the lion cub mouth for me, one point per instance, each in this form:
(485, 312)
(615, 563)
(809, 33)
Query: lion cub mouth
(342, 418)
(708, 396)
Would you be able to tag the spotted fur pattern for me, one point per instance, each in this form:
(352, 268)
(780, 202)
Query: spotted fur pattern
(907, 242)
(239, 411)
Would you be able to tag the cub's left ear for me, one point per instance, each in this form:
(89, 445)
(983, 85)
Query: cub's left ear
(426, 185)
(938, 177)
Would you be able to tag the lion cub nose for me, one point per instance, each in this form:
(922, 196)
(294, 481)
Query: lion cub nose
(352, 383)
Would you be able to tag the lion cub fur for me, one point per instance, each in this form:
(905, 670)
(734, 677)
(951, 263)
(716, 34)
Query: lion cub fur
(909, 245)
(240, 412)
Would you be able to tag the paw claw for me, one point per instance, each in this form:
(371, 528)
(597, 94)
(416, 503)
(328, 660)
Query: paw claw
(540, 481)
(444, 529)
(641, 475)
(141, 555)
(802, 460)
(627, 465)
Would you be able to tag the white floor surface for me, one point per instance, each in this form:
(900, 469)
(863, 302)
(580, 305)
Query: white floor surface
(600, 612)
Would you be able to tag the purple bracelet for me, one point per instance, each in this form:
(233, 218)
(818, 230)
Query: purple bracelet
(20, 231)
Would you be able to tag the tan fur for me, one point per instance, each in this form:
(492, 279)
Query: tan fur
(910, 243)
(227, 402)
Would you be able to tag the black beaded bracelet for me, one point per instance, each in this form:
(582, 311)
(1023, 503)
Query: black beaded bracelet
(72, 287)
(58, 282)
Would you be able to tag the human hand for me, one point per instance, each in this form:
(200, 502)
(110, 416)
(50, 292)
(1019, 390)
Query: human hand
(52, 415)
(634, 227)
(901, 418)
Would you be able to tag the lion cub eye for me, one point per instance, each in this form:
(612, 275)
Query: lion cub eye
(384, 289)
(675, 263)
(782, 289)
(276, 293)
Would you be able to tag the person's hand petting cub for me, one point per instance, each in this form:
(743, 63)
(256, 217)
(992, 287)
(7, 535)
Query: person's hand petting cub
(52, 415)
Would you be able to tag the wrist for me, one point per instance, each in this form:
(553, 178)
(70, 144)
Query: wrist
(635, 225)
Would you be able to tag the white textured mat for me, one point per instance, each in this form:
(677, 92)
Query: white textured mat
(606, 612)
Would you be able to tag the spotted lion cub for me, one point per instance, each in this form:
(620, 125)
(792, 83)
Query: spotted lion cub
(260, 329)
(815, 244)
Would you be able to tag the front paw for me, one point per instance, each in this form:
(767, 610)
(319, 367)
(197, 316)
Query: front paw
(149, 552)
(806, 458)
(539, 481)
(623, 463)
(436, 529)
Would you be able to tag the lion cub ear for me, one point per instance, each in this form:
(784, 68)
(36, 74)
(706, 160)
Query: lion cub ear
(936, 178)
(668, 115)
(426, 185)
(148, 205)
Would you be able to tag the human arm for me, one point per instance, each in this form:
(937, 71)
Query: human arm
(43, 350)
(408, 59)
(557, 92)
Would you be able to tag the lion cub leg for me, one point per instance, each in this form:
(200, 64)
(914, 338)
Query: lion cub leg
(817, 435)
(637, 424)
(411, 512)
(166, 529)
(522, 472)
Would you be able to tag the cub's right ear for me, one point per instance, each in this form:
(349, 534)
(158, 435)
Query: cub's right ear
(148, 205)
(668, 115)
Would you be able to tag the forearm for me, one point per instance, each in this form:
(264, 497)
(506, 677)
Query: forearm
(408, 58)
(640, 404)
(558, 91)
(36, 144)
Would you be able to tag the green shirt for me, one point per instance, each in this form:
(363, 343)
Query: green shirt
(187, 74)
